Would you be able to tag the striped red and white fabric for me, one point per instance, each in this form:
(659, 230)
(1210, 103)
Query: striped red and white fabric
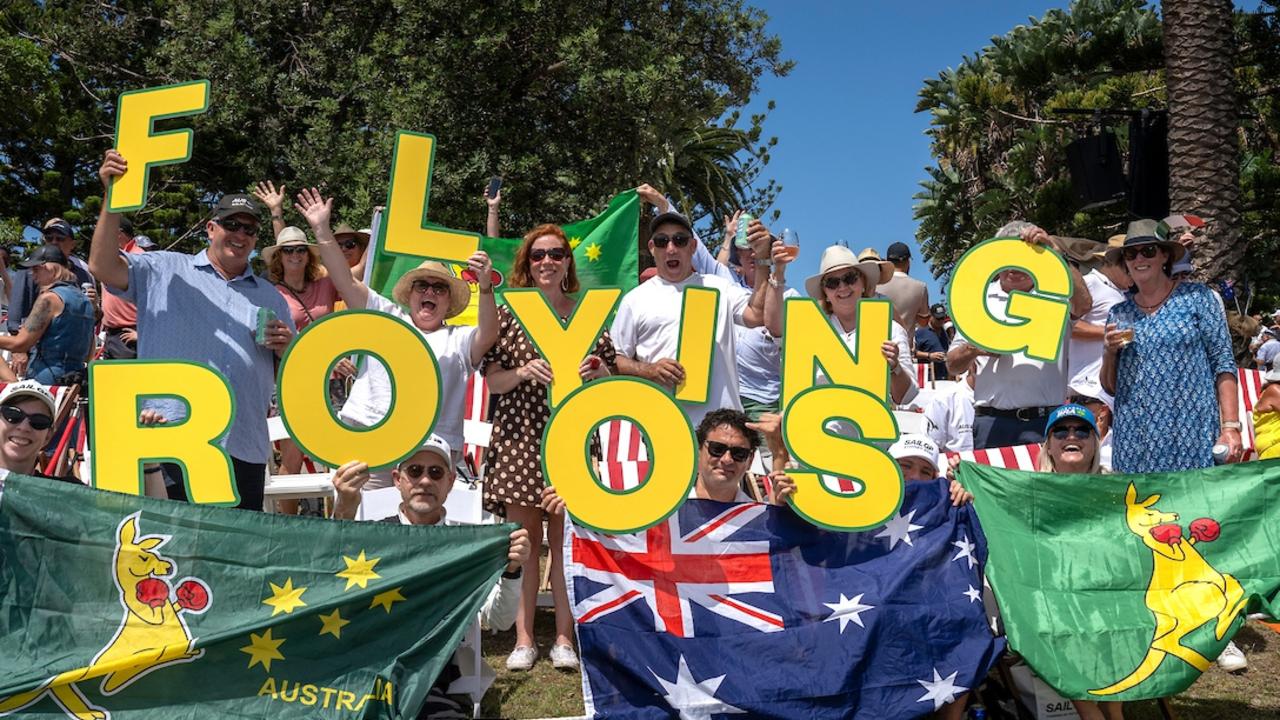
(1249, 390)
(1017, 457)
(477, 411)
(626, 457)
(922, 374)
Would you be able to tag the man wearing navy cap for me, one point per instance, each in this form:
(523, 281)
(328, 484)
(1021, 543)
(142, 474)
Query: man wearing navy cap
(910, 297)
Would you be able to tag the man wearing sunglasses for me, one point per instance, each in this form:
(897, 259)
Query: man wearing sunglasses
(203, 308)
(646, 329)
(424, 480)
(27, 411)
(1013, 393)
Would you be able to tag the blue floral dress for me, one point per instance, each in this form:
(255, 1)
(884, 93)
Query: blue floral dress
(1166, 404)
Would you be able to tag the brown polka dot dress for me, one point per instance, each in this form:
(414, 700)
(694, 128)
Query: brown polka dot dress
(513, 471)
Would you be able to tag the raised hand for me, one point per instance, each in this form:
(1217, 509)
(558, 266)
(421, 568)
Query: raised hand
(482, 267)
(890, 351)
(653, 197)
(316, 209)
(113, 166)
(272, 198)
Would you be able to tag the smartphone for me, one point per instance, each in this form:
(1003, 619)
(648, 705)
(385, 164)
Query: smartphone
(495, 184)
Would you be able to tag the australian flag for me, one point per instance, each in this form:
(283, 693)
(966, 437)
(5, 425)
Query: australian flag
(748, 610)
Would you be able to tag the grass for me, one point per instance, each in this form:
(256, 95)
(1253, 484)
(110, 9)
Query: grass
(1252, 695)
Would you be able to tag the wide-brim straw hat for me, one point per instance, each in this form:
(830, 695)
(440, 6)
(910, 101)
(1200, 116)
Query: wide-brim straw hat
(838, 257)
(344, 229)
(1147, 232)
(459, 290)
(289, 237)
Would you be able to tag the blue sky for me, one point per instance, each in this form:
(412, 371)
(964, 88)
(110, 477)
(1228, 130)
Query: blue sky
(851, 151)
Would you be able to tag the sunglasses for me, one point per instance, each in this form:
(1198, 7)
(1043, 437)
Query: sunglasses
(1062, 432)
(15, 416)
(1084, 400)
(298, 250)
(680, 240)
(349, 244)
(415, 471)
(540, 254)
(436, 288)
(55, 238)
(851, 278)
(249, 229)
(737, 452)
(1146, 251)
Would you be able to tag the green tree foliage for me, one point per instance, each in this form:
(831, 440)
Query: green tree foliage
(570, 100)
(1000, 148)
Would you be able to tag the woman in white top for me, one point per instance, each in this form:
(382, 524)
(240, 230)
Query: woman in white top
(841, 284)
(424, 297)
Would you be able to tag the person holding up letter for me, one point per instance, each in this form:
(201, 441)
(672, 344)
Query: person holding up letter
(519, 376)
(205, 308)
(424, 297)
(1014, 393)
(424, 480)
(1167, 346)
(647, 327)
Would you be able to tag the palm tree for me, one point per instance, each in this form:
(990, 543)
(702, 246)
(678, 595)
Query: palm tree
(1204, 163)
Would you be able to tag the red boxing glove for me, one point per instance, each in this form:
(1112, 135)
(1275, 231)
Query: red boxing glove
(152, 591)
(1205, 529)
(1168, 534)
(192, 596)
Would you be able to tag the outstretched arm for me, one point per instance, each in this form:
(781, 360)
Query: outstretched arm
(105, 261)
(317, 211)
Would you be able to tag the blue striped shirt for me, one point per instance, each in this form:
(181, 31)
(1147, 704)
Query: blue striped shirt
(188, 311)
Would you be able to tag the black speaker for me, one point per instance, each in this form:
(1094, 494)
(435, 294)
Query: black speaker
(1097, 177)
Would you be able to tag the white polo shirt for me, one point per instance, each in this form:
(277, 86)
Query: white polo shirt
(647, 328)
(1086, 355)
(950, 418)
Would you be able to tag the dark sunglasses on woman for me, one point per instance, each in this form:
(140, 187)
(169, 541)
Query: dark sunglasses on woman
(540, 254)
(1061, 432)
(295, 250)
(851, 278)
(1147, 251)
(349, 244)
(15, 416)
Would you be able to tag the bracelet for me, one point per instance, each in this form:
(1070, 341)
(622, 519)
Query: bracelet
(486, 291)
(763, 263)
(1232, 425)
(519, 573)
(775, 283)
(151, 471)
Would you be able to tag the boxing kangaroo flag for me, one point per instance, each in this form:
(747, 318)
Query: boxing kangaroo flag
(748, 608)
(114, 606)
(1126, 587)
(604, 254)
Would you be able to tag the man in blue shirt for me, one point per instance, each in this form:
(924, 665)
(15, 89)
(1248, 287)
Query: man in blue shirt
(204, 308)
(932, 342)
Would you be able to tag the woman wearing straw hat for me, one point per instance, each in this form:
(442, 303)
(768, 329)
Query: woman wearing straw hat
(424, 297)
(1167, 346)
(842, 282)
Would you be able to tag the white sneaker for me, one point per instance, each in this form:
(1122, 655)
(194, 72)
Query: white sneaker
(522, 658)
(563, 657)
(1232, 659)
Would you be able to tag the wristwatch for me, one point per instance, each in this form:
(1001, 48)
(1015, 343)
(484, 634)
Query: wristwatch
(1231, 425)
(761, 262)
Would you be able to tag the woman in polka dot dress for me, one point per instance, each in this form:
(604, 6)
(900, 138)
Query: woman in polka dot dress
(513, 481)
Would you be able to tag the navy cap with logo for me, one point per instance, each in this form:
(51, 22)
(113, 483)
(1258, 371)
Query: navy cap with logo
(938, 311)
(58, 226)
(897, 252)
(44, 254)
(670, 217)
(236, 204)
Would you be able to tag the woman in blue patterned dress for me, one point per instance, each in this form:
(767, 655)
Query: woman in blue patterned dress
(1174, 378)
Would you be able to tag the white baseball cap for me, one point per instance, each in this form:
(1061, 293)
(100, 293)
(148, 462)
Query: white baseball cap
(28, 388)
(438, 445)
(917, 446)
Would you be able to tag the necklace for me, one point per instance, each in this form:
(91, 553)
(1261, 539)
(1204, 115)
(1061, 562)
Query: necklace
(1152, 307)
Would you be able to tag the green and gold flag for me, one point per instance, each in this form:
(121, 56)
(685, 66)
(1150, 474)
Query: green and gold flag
(1127, 587)
(604, 251)
(114, 606)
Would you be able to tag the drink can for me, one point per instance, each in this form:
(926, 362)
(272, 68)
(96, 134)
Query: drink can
(265, 315)
(86, 288)
(1220, 454)
(740, 239)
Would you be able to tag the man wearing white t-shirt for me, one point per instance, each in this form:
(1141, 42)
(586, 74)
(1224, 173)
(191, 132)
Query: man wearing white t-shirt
(646, 329)
(1107, 285)
(1013, 393)
(949, 416)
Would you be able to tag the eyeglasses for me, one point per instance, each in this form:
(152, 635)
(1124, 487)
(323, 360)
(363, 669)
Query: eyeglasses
(295, 250)
(349, 244)
(15, 416)
(1147, 251)
(249, 229)
(1084, 400)
(415, 471)
(680, 240)
(436, 288)
(557, 254)
(1062, 432)
(851, 278)
(718, 449)
(54, 238)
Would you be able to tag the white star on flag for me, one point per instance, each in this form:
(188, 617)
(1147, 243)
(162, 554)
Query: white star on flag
(966, 551)
(974, 594)
(848, 610)
(899, 529)
(940, 691)
(695, 700)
